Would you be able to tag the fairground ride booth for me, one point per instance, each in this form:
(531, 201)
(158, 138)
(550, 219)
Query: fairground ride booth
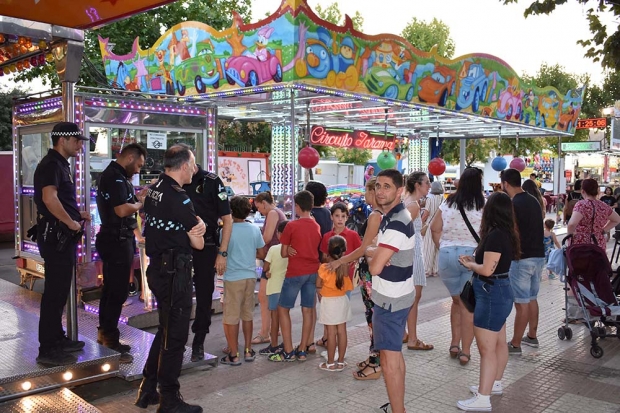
(53, 34)
(322, 84)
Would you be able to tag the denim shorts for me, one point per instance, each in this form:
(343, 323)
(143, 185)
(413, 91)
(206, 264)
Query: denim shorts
(291, 288)
(525, 278)
(272, 301)
(493, 303)
(388, 328)
(451, 272)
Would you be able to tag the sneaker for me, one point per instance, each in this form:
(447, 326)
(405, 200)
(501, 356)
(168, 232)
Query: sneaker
(133, 290)
(552, 276)
(514, 350)
(68, 345)
(283, 356)
(56, 357)
(475, 404)
(496, 390)
(268, 351)
(528, 341)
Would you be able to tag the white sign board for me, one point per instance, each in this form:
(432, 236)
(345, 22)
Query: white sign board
(156, 140)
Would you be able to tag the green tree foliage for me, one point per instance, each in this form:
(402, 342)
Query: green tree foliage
(425, 35)
(354, 156)
(6, 116)
(148, 26)
(333, 15)
(244, 136)
(604, 46)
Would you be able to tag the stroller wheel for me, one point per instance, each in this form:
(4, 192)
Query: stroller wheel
(568, 332)
(596, 352)
(561, 333)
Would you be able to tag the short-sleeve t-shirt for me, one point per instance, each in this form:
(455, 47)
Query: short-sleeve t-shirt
(455, 232)
(353, 242)
(497, 241)
(53, 170)
(329, 288)
(170, 216)
(208, 194)
(323, 217)
(115, 189)
(393, 289)
(245, 239)
(304, 235)
(277, 269)
(530, 225)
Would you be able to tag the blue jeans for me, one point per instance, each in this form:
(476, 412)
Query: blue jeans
(306, 284)
(451, 272)
(525, 277)
(493, 303)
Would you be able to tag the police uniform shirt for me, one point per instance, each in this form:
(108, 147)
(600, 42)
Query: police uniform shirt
(114, 189)
(53, 170)
(169, 216)
(208, 193)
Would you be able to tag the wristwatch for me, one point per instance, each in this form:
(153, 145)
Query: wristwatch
(223, 253)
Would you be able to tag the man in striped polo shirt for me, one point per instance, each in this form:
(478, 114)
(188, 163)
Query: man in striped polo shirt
(393, 290)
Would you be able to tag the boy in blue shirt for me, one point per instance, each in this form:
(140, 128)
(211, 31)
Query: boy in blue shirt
(245, 246)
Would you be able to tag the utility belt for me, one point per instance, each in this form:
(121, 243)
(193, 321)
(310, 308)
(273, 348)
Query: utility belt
(121, 233)
(489, 280)
(211, 239)
(52, 228)
(178, 266)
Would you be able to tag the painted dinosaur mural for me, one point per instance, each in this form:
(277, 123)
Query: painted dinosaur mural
(294, 45)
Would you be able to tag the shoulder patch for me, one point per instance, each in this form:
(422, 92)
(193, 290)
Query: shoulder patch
(211, 175)
(223, 196)
(177, 188)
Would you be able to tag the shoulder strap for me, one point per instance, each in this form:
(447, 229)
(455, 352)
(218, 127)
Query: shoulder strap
(592, 224)
(471, 229)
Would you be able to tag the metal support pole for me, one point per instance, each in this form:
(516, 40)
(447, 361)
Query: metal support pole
(557, 188)
(68, 100)
(462, 155)
(293, 155)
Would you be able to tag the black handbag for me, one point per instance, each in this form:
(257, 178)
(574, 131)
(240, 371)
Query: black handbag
(467, 295)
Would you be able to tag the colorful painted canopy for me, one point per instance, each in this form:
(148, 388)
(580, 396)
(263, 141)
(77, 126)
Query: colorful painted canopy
(77, 14)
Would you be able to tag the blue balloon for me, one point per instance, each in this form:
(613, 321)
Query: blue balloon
(499, 163)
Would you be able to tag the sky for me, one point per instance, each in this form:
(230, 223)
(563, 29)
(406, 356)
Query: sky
(482, 26)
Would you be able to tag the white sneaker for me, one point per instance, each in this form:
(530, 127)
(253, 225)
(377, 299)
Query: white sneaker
(496, 390)
(475, 404)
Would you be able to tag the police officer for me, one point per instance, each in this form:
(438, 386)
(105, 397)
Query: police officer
(117, 205)
(172, 229)
(208, 194)
(58, 230)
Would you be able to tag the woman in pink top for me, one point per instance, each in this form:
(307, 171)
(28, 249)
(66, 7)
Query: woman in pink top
(453, 239)
(591, 217)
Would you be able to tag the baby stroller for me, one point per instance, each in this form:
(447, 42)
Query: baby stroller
(588, 275)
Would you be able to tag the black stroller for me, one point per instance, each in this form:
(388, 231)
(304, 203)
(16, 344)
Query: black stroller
(588, 275)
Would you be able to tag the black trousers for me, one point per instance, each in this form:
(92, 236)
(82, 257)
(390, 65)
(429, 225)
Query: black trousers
(117, 257)
(59, 269)
(163, 365)
(204, 284)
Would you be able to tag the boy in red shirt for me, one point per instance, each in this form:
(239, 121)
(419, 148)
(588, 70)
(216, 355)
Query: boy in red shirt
(299, 240)
(340, 214)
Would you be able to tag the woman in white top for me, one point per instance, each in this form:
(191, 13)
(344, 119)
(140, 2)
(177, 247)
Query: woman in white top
(452, 237)
(429, 250)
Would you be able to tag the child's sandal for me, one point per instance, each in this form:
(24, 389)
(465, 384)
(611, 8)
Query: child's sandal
(330, 367)
(322, 342)
(301, 355)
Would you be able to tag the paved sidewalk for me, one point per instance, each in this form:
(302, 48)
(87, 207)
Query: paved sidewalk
(560, 376)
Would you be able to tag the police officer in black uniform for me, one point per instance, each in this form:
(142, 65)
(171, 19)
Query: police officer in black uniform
(208, 194)
(117, 205)
(58, 231)
(172, 229)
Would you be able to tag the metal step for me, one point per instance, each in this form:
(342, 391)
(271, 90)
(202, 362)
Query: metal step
(58, 401)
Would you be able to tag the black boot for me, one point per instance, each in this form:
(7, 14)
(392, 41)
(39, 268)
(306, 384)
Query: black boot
(198, 347)
(175, 404)
(147, 394)
(111, 341)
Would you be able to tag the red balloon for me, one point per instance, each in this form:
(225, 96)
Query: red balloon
(518, 164)
(436, 166)
(308, 157)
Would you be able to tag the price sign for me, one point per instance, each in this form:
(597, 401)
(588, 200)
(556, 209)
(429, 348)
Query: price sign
(594, 123)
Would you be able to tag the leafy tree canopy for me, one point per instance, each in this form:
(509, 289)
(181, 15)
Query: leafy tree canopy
(604, 46)
(425, 35)
(6, 116)
(333, 15)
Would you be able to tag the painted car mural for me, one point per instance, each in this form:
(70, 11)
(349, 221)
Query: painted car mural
(437, 87)
(294, 45)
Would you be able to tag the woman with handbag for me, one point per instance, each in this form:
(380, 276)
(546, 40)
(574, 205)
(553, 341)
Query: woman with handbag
(591, 217)
(451, 233)
(429, 250)
(499, 245)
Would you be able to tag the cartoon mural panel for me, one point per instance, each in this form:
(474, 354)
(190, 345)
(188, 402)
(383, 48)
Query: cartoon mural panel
(295, 45)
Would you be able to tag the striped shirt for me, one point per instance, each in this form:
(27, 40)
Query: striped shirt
(393, 289)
